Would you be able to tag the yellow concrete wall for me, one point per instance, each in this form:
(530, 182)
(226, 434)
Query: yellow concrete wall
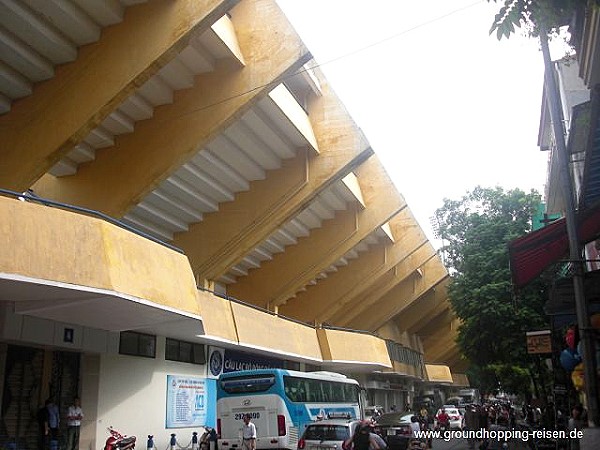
(259, 329)
(438, 373)
(338, 345)
(217, 317)
(56, 245)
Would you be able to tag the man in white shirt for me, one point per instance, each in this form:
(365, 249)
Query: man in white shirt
(74, 416)
(248, 434)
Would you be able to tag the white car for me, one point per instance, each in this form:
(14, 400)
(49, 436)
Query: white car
(327, 434)
(457, 421)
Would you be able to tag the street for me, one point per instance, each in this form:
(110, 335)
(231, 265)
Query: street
(461, 444)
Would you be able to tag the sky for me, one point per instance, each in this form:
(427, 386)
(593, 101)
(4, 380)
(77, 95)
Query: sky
(445, 106)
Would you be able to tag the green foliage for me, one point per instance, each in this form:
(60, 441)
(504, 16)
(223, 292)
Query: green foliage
(475, 231)
(533, 15)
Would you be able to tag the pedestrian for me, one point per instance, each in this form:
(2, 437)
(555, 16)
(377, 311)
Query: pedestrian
(363, 439)
(576, 422)
(74, 417)
(43, 429)
(53, 423)
(248, 434)
(212, 438)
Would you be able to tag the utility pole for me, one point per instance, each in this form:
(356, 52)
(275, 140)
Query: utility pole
(575, 249)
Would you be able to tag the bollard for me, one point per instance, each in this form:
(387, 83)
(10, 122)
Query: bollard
(194, 441)
(173, 441)
(150, 444)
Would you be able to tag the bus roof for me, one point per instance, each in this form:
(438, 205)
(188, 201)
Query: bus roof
(319, 375)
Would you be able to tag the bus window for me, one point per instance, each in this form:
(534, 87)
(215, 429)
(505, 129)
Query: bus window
(239, 385)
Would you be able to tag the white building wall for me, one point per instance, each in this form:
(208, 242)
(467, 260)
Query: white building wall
(132, 397)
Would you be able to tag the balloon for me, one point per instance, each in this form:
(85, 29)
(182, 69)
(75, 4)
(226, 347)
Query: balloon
(577, 377)
(570, 338)
(569, 359)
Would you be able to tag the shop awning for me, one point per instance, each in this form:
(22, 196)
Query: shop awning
(534, 252)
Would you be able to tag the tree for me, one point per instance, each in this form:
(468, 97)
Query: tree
(534, 15)
(475, 232)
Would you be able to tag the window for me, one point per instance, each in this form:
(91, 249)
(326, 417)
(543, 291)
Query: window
(182, 351)
(137, 344)
(245, 384)
(319, 391)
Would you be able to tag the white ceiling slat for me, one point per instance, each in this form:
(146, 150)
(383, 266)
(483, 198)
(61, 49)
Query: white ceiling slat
(251, 144)
(176, 75)
(221, 171)
(4, 103)
(203, 182)
(63, 168)
(227, 279)
(22, 58)
(100, 138)
(197, 58)
(272, 245)
(286, 237)
(160, 217)
(250, 262)
(259, 124)
(238, 271)
(299, 228)
(12, 83)
(163, 200)
(137, 107)
(118, 123)
(319, 209)
(156, 91)
(147, 227)
(189, 194)
(105, 13)
(40, 35)
(232, 156)
(261, 254)
(332, 200)
(82, 153)
(72, 21)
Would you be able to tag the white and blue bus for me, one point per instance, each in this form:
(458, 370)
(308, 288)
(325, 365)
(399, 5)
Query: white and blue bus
(281, 404)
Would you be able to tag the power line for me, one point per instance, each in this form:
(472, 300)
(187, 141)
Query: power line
(333, 60)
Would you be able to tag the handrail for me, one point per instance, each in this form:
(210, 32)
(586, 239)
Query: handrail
(29, 196)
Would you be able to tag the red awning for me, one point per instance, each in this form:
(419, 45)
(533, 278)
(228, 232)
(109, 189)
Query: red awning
(532, 253)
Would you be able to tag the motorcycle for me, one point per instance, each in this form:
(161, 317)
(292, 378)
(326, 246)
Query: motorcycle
(118, 441)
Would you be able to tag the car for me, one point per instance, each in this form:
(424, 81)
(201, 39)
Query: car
(457, 421)
(327, 434)
(394, 427)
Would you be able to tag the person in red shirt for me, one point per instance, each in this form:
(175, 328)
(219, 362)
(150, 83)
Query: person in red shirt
(443, 419)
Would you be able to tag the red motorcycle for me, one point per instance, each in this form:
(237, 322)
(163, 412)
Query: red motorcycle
(118, 441)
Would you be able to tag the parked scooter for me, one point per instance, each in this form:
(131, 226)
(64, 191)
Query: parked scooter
(118, 441)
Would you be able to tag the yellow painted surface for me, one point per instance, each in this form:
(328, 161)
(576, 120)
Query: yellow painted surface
(295, 113)
(259, 329)
(43, 127)
(438, 373)
(352, 183)
(225, 30)
(217, 316)
(338, 345)
(159, 145)
(56, 245)
(460, 379)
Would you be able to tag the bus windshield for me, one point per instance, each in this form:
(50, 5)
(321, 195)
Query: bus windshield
(248, 383)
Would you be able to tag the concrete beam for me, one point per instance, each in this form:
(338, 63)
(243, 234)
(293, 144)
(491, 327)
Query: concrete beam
(288, 272)
(122, 175)
(42, 128)
(346, 286)
(224, 237)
